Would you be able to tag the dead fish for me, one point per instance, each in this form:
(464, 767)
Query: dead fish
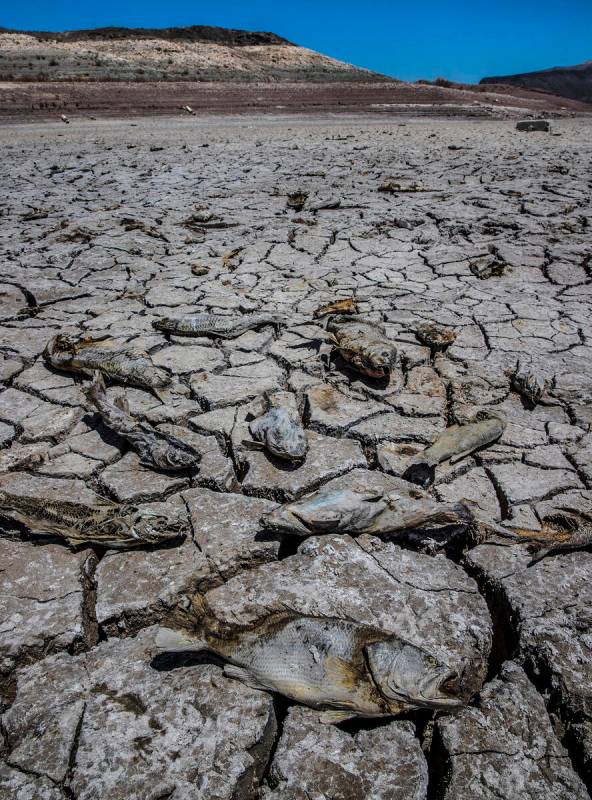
(364, 345)
(218, 325)
(357, 511)
(346, 306)
(529, 384)
(435, 336)
(105, 523)
(123, 364)
(297, 200)
(279, 429)
(454, 443)
(155, 448)
(351, 670)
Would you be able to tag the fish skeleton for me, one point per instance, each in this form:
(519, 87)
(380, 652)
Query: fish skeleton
(364, 345)
(124, 364)
(105, 523)
(357, 511)
(218, 325)
(344, 667)
(280, 429)
(454, 443)
(155, 448)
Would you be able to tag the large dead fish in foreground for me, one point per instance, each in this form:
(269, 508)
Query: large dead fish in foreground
(279, 428)
(357, 511)
(116, 361)
(218, 325)
(346, 668)
(364, 345)
(155, 448)
(105, 523)
(453, 444)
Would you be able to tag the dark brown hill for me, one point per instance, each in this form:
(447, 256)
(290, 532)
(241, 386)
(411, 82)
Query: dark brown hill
(573, 82)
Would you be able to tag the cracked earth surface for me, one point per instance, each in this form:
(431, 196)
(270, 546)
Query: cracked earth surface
(107, 226)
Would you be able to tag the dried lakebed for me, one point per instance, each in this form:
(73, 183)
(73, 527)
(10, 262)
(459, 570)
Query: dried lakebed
(108, 227)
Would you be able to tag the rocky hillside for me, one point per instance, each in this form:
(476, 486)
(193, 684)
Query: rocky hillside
(573, 82)
(196, 53)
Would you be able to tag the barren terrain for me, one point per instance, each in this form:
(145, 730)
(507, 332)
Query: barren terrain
(108, 225)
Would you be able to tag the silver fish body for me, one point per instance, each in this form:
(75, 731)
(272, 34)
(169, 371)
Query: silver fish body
(217, 325)
(354, 511)
(279, 429)
(327, 511)
(364, 345)
(155, 448)
(322, 663)
(123, 364)
(453, 444)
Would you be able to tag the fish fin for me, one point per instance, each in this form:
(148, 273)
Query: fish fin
(122, 404)
(334, 717)
(171, 641)
(246, 677)
(251, 444)
(458, 456)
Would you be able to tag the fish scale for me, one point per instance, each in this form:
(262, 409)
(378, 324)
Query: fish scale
(219, 325)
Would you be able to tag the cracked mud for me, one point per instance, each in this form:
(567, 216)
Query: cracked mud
(468, 243)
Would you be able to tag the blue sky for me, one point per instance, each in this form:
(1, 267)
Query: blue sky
(458, 39)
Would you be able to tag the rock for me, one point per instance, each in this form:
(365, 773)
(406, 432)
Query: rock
(330, 411)
(394, 458)
(521, 483)
(326, 458)
(182, 359)
(217, 391)
(215, 469)
(505, 746)
(531, 125)
(227, 531)
(21, 786)
(394, 427)
(138, 731)
(129, 482)
(315, 760)
(428, 600)
(476, 487)
(43, 603)
(549, 604)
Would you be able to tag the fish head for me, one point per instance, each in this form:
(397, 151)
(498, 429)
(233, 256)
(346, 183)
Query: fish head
(147, 526)
(378, 359)
(284, 436)
(407, 674)
(162, 324)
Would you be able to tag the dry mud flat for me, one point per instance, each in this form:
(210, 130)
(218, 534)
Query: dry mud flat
(485, 230)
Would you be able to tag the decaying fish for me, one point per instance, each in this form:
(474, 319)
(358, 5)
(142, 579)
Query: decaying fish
(364, 345)
(326, 663)
(121, 363)
(347, 306)
(357, 511)
(435, 336)
(279, 429)
(529, 384)
(105, 523)
(155, 448)
(218, 325)
(454, 443)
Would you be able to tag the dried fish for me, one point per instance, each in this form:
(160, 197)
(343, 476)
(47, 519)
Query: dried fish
(529, 384)
(357, 511)
(218, 325)
(454, 443)
(280, 429)
(124, 364)
(364, 345)
(348, 669)
(104, 523)
(435, 336)
(155, 448)
(346, 306)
